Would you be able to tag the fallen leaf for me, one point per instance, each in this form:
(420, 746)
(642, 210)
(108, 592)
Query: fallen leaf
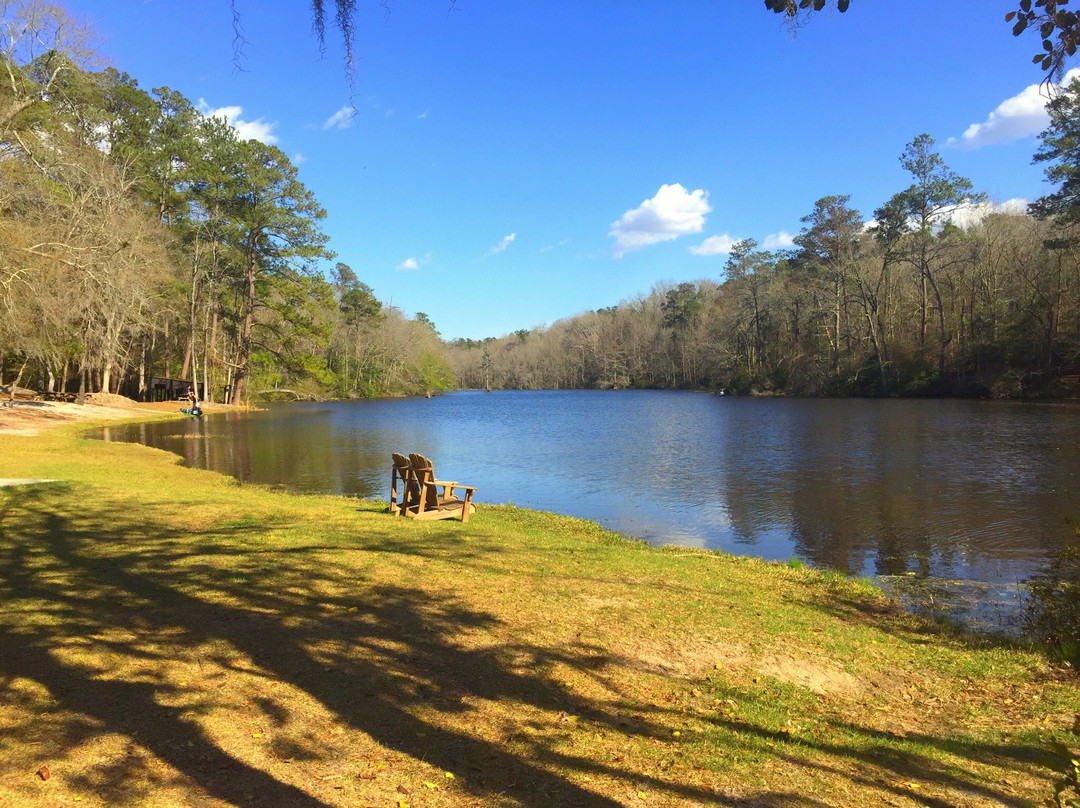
(43, 773)
(641, 795)
(432, 786)
(448, 775)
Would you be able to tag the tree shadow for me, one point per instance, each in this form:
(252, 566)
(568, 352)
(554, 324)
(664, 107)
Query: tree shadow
(368, 656)
(88, 589)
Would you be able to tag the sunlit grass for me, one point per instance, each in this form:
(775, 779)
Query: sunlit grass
(170, 637)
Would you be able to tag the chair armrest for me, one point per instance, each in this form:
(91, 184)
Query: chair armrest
(448, 487)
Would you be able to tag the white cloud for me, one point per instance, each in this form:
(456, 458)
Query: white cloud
(1015, 206)
(714, 245)
(502, 245)
(245, 130)
(968, 214)
(673, 212)
(298, 159)
(778, 241)
(342, 119)
(1017, 117)
(549, 247)
(413, 263)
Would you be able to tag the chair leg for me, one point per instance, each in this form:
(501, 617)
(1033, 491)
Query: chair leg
(467, 507)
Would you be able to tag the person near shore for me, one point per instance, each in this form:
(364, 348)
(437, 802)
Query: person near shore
(194, 399)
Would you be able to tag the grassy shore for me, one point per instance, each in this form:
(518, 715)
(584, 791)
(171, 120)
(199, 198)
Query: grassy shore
(169, 637)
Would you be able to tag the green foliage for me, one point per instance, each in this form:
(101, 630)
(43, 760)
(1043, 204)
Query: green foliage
(1053, 605)
(240, 289)
(356, 299)
(682, 307)
(916, 375)
(432, 373)
(1060, 150)
(741, 383)
(1057, 28)
(423, 319)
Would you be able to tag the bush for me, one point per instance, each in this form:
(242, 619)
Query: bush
(1053, 605)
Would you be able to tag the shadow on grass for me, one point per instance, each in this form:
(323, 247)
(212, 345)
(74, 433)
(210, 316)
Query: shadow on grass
(81, 584)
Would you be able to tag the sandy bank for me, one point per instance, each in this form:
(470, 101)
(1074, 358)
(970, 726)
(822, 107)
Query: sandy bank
(31, 417)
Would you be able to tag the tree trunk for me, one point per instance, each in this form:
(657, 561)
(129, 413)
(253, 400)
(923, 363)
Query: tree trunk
(244, 353)
(81, 398)
(185, 368)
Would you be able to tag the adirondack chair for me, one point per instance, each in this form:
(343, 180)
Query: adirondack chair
(432, 504)
(410, 491)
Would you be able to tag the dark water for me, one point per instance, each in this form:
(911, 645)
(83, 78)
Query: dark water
(981, 491)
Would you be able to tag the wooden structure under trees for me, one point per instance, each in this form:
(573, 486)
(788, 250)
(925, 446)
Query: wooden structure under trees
(165, 389)
(420, 497)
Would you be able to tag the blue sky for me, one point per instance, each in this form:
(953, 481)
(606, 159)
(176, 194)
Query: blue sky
(509, 163)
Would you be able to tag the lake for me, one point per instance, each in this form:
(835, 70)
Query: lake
(974, 490)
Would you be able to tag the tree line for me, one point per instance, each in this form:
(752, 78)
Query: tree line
(915, 303)
(142, 239)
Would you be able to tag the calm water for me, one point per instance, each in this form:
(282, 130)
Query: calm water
(981, 491)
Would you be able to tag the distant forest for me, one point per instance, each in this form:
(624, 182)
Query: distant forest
(141, 240)
(991, 310)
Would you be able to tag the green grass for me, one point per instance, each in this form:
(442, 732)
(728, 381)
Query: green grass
(169, 637)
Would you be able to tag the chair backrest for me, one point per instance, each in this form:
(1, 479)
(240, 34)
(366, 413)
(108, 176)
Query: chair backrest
(403, 471)
(423, 472)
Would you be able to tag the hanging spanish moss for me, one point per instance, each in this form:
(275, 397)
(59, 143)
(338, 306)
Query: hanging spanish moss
(344, 17)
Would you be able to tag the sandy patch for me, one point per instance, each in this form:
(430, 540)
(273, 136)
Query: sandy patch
(689, 660)
(32, 417)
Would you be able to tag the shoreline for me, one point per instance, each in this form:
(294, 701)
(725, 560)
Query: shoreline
(955, 601)
(33, 417)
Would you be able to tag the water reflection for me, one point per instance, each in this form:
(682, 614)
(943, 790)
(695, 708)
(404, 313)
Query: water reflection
(974, 490)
